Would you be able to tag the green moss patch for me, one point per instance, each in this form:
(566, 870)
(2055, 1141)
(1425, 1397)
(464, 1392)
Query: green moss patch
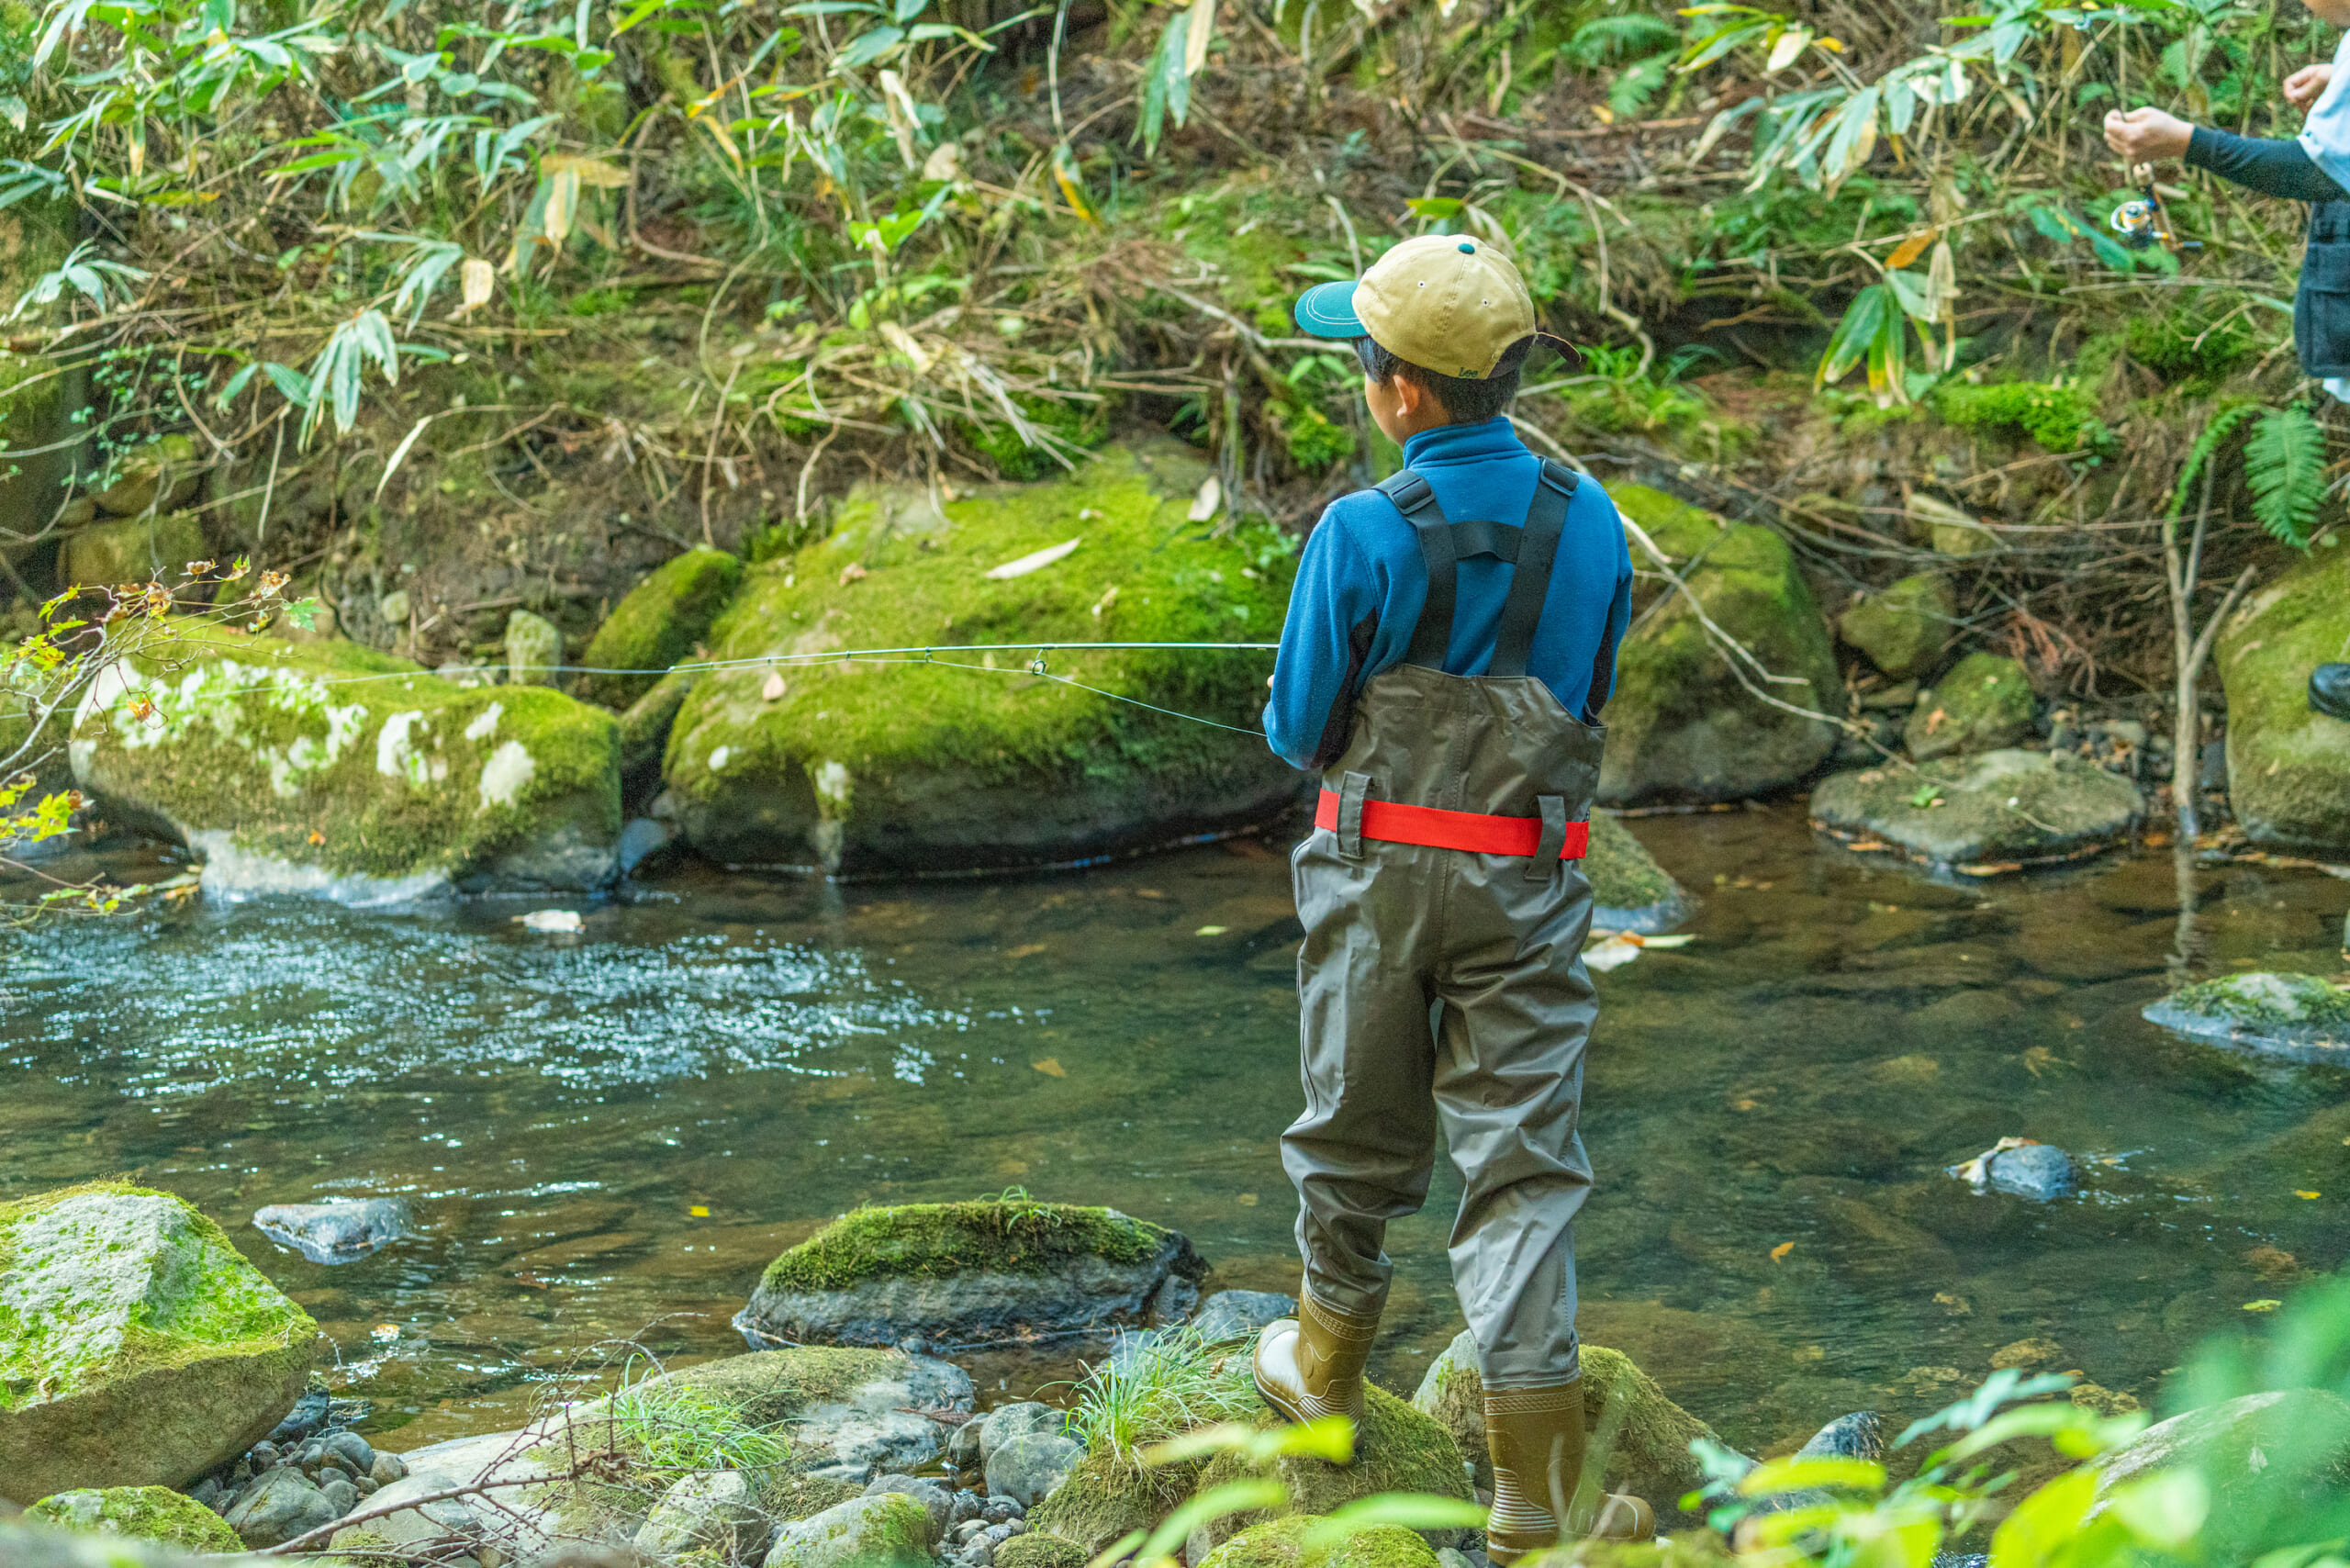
(2289, 768)
(1984, 702)
(937, 1241)
(1106, 1498)
(657, 625)
(1280, 1544)
(1904, 629)
(1397, 1449)
(1038, 1549)
(2060, 419)
(1625, 878)
(2268, 999)
(143, 1512)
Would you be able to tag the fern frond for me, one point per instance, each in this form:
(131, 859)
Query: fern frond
(2222, 425)
(1629, 94)
(2284, 462)
(1604, 38)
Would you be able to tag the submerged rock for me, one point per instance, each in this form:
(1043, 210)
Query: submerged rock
(338, 1231)
(1397, 1449)
(2040, 1171)
(2289, 766)
(1904, 629)
(2295, 1017)
(2004, 809)
(886, 1530)
(887, 766)
(1629, 892)
(656, 626)
(140, 1348)
(1238, 1315)
(1984, 703)
(1680, 725)
(141, 1513)
(1280, 1544)
(967, 1273)
(2272, 1461)
(329, 768)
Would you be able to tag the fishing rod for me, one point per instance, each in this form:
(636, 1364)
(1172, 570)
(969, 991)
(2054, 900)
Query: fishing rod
(2144, 223)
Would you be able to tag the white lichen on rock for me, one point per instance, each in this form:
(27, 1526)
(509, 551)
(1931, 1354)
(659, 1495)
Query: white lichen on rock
(505, 775)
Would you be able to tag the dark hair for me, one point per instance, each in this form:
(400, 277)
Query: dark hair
(1468, 400)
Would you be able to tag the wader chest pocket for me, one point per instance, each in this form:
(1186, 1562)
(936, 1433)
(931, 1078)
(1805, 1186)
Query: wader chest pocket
(2321, 310)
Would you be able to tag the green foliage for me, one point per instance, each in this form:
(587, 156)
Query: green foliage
(675, 1429)
(2061, 418)
(2194, 344)
(2284, 465)
(1315, 441)
(1174, 1381)
(1055, 435)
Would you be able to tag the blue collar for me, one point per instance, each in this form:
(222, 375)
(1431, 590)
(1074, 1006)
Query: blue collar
(1464, 443)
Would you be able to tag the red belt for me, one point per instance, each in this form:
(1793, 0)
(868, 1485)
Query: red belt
(1394, 822)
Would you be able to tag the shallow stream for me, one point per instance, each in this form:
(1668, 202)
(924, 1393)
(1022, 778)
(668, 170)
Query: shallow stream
(607, 1136)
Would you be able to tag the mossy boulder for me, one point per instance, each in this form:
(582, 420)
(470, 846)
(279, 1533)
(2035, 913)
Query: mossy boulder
(1644, 1434)
(2289, 766)
(161, 477)
(1038, 1549)
(1903, 629)
(1681, 726)
(2004, 809)
(39, 398)
(881, 1529)
(1279, 1543)
(534, 649)
(134, 550)
(1109, 1495)
(27, 1545)
(657, 625)
(972, 1273)
(894, 764)
(1629, 892)
(1397, 1449)
(1986, 702)
(141, 1513)
(2295, 1017)
(138, 1346)
(328, 767)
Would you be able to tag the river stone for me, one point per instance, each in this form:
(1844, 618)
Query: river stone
(142, 1513)
(2288, 766)
(893, 767)
(2273, 1462)
(2002, 810)
(519, 1524)
(1650, 1458)
(1238, 1315)
(1278, 1543)
(885, 1530)
(1984, 703)
(2294, 1017)
(1026, 1418)
(337, 1231)
(1904, 629)
(1397, 1449)
(134, 550)
(1680, 726)
(329, 768)
(136, 1346)
(2040, 1171)
(712, 1511)
(659, 624)
(928, 1493)
(533, 650)
(970, 1273)
(280, 1506)
(1629, 890)
(1028, 1468)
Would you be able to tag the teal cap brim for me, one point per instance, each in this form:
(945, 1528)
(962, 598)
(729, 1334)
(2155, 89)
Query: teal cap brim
(1327, 311)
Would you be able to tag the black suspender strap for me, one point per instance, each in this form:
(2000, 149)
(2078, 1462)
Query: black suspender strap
(1529, 583)
(1416, 500)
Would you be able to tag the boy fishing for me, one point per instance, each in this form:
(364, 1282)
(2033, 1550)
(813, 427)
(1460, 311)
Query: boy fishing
(1450, 643)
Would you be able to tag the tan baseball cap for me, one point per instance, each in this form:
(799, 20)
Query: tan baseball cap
(1444, 302)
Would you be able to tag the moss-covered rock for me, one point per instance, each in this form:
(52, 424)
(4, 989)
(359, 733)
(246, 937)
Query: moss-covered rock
(134, 549)
(1629, 890)
(2289, 766)
(141, 1513)
(1904, 629)
(1984, 703)
(1107, 1497)
(883, 1529)
(138, 1347)
(39, 398)
(26, 1545)
(657, 625)
(1279, 1543)
(1681, 726)
(2004, 809)
(1397, 1449)
(893, 766)
(1644, 1434)
(968, 1273)
(158, 478)
(2297, 1017)
(328, 767)
(1038, 1549)
(534, 649)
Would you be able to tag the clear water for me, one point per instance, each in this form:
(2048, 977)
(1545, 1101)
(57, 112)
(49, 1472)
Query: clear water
(609, 1135)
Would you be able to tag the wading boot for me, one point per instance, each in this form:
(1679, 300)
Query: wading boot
(1536, 1438)
(1311, 1365)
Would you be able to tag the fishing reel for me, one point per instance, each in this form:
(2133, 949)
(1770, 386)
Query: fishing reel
(2142, 224)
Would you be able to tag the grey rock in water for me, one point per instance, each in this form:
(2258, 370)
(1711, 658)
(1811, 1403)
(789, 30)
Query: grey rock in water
(1006, 1422)
(963, 1447)
(2290, 1016)
(712, 1511)
(2004, 808)
(278, 1507)
(340, 1230)
(876, 1427)
(309, 1414)
(929, 1494)
(2038, 1171)
(1238, 1315)
(1860, 1435)
(1029, 1468)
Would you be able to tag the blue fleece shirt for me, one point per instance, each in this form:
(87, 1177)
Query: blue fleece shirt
(1361, 584)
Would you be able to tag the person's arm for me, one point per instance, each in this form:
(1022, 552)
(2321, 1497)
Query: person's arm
(2272, 167)
(1620, 616)
(1333, 616)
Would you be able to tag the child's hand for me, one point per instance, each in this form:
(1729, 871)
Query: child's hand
(2144, 135)
(2302, 87)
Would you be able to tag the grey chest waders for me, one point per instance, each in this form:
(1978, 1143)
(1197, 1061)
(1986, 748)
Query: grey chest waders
(1441, 878)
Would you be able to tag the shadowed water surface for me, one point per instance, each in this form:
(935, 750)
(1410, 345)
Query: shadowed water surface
(609, 1135)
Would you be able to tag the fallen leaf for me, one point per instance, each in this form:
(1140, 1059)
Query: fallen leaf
(1934, 720)
(1211, 931)
(1679, 939)
(1050, 1067)
(2039, 1060)
(1247, 1200)
(773, 691)
(699, 1211)
(533, 1280)
(1034, 561)
(2302, 1194)
(1611, 952)
(1210, 496)
(1958, 1304)
(854, 572)
(2026, 1353)
(1909, 250)
(317, 837)
(1780, 1250)
(2264, 1305)
(1026, 950)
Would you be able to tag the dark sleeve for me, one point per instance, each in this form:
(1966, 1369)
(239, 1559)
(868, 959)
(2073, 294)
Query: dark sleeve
(2273, 167)
(1620, 616)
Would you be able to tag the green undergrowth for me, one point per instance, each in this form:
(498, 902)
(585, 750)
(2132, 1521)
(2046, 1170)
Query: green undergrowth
(141, 1513)
(1280, 1544)
(1174, 1383)
(1397, 1449)
(2061, 418)
(1015, 459)
(939, 1240)
(657, 625)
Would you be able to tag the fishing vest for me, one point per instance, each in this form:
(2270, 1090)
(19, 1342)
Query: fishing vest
(2322, 304)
